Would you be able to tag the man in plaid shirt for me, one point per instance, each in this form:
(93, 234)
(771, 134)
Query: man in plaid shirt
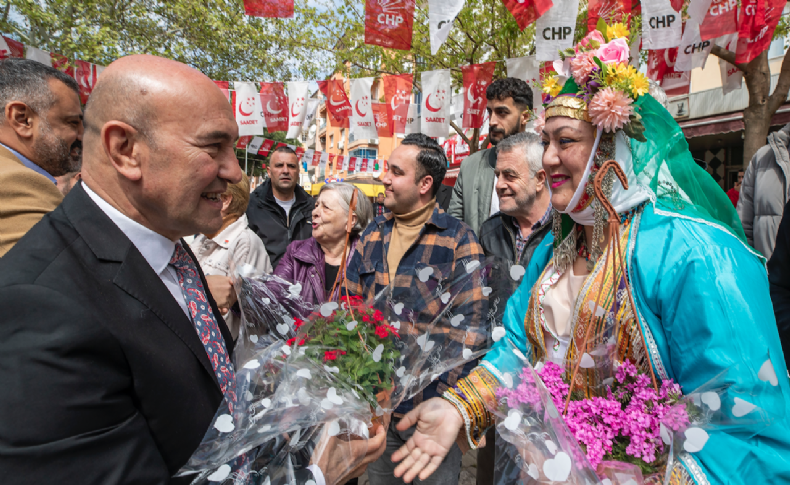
(417, 234)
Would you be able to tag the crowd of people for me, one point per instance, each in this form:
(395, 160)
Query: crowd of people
(121, 230)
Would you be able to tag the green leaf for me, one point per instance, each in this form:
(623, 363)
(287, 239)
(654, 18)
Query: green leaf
(601, 27)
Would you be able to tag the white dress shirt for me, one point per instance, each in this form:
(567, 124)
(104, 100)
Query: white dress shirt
(155, 248)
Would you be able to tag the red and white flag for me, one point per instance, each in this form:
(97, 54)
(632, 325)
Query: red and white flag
(297, 107)
(307, 156)
(242, 142)
(332, 164)
(247, 105)
(316, 158)
(269, 8)
(758, 20)
(662, 27)
(397, 96)
(62, 63)
(364, 167)
(555, 29)
(609, 10)
(477, 78)
(720, 19)
(436, 90)
(322, 163)
(36, 54)
(363, 124)
(300, 151)
(356, 164)
(346, 162)
(381, 115)
(275, 106)
(10, 48)
(524, 68)
(527, 11)
(388, 23)
(661, 68)
(337, 103)
(86, 75)
(222, 85)
(266, 147)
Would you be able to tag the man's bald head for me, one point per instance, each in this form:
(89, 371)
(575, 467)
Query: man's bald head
(130, 88)
(159, 145)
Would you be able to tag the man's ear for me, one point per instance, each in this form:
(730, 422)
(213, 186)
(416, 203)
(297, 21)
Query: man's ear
(524, 118)
(20, 118)
(425, 184)
(540, 180)
(123, 143)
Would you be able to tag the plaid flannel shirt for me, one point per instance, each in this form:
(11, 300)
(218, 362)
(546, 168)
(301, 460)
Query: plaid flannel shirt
(446, 245)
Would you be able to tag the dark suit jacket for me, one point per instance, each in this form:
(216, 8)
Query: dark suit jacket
(103, 379)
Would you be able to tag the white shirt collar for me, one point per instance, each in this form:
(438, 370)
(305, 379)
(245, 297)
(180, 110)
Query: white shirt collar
(155, 248)
(231, 232)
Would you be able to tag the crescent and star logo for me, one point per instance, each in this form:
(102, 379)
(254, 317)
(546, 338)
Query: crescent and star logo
(272, 111)
(399, 98)
(364, 100)
(470, 95)
(438, 94)
(250, 103)
(295, 110)
(336, 103)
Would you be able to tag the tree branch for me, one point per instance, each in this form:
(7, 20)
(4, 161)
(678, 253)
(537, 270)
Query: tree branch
(726, 55)
(461, 133)
(779, 95)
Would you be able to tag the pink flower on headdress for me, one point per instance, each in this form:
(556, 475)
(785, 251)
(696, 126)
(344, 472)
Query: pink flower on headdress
(540, 122)
(585, 42)
(581, 67)
(610, 109)
(616, 51)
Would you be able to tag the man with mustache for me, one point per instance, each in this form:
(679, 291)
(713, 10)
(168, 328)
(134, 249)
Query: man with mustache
(280, 211)
(40, 127)
(474, 198)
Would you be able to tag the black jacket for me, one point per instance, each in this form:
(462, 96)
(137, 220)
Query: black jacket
(269, 220)
(779, 279)
(104, 378)
(498, 238)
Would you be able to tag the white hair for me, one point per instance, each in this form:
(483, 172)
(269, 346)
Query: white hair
(530, 145)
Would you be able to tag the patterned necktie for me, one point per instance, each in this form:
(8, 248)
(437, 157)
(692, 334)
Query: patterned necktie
(204, 321)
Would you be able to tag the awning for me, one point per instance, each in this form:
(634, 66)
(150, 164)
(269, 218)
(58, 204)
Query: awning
(726, 123)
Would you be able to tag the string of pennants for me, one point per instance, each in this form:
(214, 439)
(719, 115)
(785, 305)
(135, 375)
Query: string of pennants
(675, 45)
(315, 158)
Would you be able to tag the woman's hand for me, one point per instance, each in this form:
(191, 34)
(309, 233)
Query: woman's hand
(221, 289)
(438, 424)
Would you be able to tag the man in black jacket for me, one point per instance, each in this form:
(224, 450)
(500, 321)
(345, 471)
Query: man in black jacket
(114, 357)
(779, 279)
(280, 211)
(511, 235)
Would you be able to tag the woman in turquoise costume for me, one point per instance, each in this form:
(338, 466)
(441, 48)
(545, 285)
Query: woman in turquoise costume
(702, 306)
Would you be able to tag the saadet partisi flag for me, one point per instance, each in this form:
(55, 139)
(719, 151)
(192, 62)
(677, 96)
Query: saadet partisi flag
(441, 15)
(555, 29)
(363, 123)
(297, 107)
(436, 92)
(662, 26)
(247, 103)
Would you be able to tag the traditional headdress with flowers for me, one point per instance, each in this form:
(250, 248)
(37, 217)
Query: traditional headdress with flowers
(603, 87)
(595, 83)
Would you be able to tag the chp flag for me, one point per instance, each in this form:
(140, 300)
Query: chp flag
(412, 120)
(662, 27)
(337, 103)
(363, 124)
(269, 8)
(757, 23)
(441, 15)
(86, 75)
(247, 105)
(255, 145)
(477, 78)
(720, 19)
(436, 90)
(275, 106)
(383, 124)
(388, 23)
(311, 112)
(297, 107)
(397, 95)
(555, 29)
(527, 11)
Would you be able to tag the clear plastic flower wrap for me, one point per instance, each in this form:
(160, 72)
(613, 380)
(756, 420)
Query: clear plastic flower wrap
(631, 435)
(332, 371)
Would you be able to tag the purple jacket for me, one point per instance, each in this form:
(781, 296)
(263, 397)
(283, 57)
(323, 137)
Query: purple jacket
(303, 263)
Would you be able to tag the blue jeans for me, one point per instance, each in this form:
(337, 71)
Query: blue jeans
(382, 471)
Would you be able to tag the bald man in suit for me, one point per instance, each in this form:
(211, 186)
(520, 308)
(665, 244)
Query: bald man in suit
(115, 358)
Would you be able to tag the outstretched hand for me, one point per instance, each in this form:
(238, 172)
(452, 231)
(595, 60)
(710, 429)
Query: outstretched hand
(438, 424)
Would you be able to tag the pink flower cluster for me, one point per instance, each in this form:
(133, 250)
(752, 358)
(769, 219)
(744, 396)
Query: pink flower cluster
(610, 109)
(632, 411)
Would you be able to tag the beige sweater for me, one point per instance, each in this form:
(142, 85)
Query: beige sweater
(405, 231)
